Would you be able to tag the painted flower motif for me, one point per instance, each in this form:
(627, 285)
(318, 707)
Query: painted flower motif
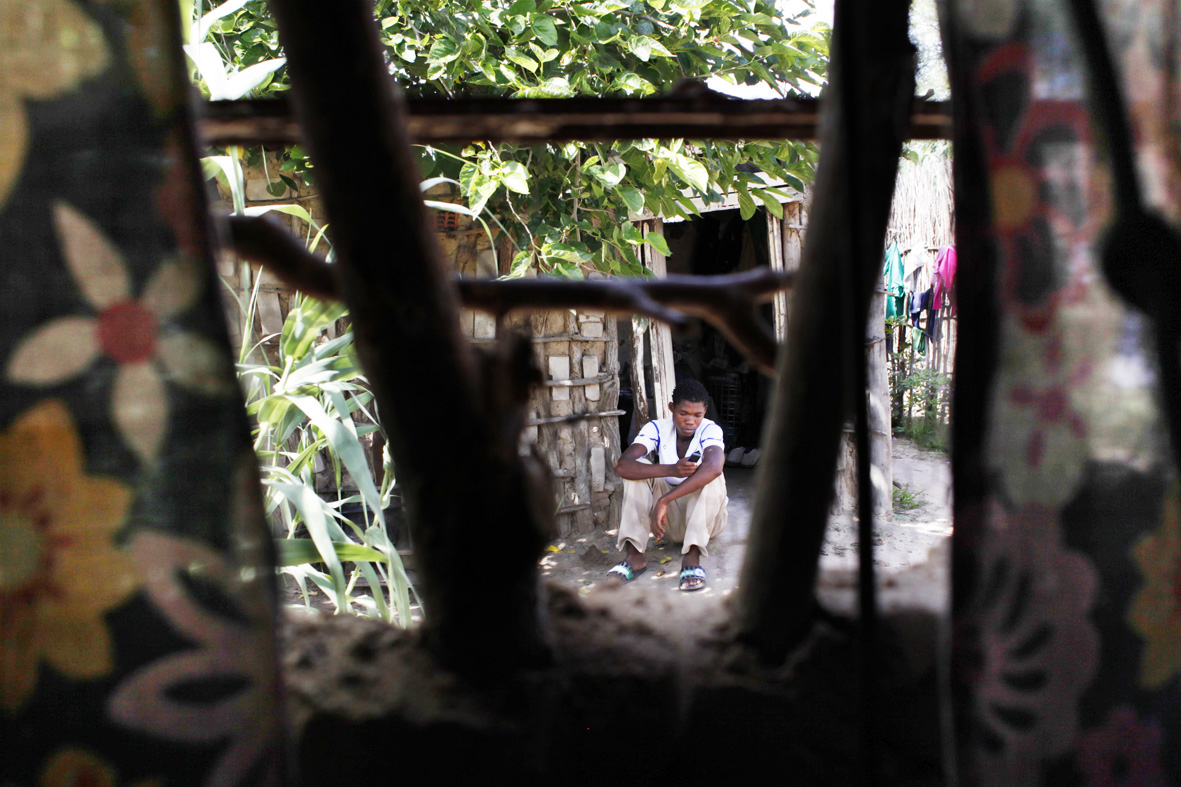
(131, 332)
(1038, 441)
(225, 689)
(1124, 752)
(1025, 646)
(59, 568)
(1036, 154)
(47, 47)
(80, 768)
(1155, 612)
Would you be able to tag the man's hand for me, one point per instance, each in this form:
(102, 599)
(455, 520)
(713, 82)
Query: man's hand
(659, 518)
(684, 468)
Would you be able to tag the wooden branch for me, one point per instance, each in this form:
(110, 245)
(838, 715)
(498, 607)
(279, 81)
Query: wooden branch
(453, 416)
(575, 417)
(264, 240)
(795, 482)
(709, 115)
(726, 302)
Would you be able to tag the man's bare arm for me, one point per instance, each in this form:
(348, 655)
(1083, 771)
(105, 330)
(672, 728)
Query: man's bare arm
(712, 462)
(630, 467)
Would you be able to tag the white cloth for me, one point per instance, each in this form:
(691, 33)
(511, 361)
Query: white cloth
(660, 436)
(917, 276)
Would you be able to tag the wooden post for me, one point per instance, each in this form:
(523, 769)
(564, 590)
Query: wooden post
(775, 247)
(663, 375)
(878, 412)
(878, 421)
(406, 316)
(612, 439)
(643, 414)
(852, 204)
(581, 433)
(794, 219)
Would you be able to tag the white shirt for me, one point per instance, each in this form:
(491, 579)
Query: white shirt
(660, 436)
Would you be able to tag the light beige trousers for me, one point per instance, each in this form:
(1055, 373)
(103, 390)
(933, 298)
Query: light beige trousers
(693, 519)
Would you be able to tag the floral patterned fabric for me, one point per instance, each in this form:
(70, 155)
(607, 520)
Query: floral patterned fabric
(136, 606)
(1066, 639)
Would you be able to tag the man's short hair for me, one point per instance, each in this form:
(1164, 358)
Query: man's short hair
(690, 390)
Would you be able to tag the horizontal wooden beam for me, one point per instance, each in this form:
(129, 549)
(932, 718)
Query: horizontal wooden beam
(708, 115)
(574, 418)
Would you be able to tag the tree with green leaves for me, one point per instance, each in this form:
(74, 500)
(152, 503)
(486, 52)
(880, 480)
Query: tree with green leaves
(566, 206)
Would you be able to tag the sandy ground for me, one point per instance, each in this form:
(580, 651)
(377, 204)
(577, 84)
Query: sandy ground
(582, 561)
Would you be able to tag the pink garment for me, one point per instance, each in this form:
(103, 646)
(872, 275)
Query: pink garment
(944, 278)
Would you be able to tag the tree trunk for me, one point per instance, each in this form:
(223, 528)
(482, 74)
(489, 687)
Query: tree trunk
(453, 422)
(795, 485)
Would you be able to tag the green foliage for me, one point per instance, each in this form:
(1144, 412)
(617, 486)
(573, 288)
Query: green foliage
(922, 402)
(905, 499)
(309, 405)
(557, 48)
(920, 396)
(566, 207)
(306, 406)
(931, 75)
(231, 49)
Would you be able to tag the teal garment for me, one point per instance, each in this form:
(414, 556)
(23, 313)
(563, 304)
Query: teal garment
(893, 273)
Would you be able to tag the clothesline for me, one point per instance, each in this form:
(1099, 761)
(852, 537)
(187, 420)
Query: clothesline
(913, 288)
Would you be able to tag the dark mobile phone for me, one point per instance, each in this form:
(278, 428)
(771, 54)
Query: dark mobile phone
(696, 455)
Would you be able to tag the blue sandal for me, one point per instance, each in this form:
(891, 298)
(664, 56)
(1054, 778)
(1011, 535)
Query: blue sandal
(625, 572)
(688, 576)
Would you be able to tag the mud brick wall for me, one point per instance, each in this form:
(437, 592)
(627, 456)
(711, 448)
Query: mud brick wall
(575, 415)
(573, 419)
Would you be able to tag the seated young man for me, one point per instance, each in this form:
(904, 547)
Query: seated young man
(682, 492)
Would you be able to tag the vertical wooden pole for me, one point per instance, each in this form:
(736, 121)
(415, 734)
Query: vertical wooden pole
(643, 413)
(776, 256)
(852, 204)
(406, 316)
(878, 422)
(663, 375)
(878, 418)
(794, 219)
(612, 439)
(582, 518)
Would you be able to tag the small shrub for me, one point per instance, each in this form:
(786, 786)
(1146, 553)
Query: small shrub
(905, 499)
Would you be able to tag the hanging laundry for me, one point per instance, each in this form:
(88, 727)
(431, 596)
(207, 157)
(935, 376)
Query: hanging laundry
(917, 278)
(934, 324)
(921, 301)
(893, 273)
(943, 280)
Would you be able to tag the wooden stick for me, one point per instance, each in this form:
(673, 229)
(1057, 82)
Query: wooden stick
(795, 482)
(707, 115)
(453, 417)
(727, 302)
(264, 240)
